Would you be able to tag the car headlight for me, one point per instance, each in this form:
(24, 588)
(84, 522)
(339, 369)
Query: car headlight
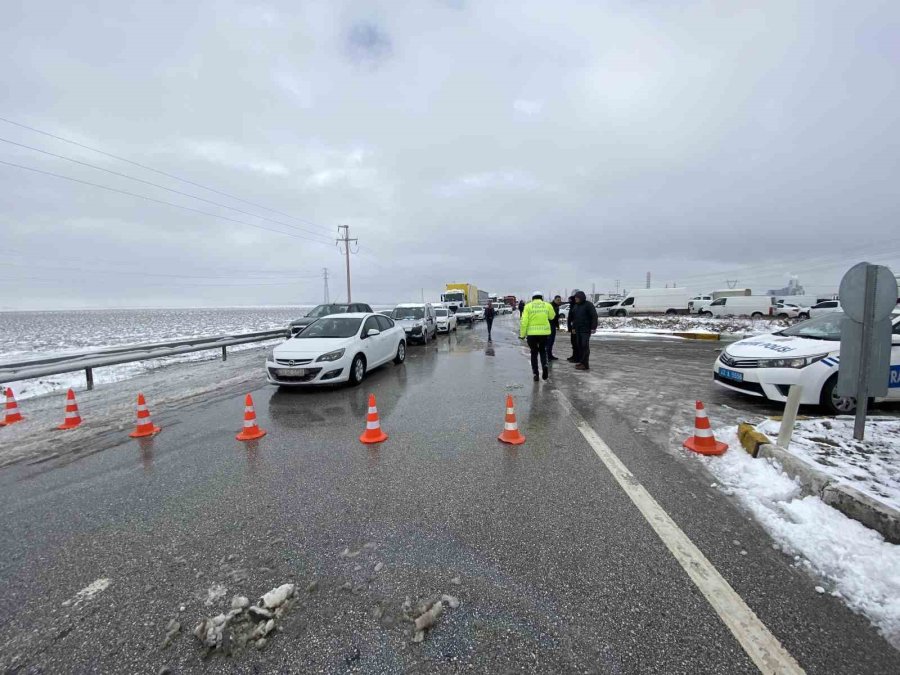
(791, 363)
(331, 356)
(271, 356)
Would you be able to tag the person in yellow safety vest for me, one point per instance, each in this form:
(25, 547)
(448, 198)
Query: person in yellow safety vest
(535, 326)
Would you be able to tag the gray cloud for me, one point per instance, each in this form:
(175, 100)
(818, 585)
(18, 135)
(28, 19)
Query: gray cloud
(514, 146)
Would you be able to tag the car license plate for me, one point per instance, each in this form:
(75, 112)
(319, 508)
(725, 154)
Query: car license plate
(731, 375)
(291, 372)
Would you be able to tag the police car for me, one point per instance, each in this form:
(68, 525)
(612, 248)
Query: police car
(808, 354)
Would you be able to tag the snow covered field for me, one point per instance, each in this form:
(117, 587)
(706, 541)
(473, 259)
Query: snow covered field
(662, 325)
(871, 466)
(853, 562)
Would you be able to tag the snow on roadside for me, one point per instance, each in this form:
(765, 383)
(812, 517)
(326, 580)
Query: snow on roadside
(681, 323)
(855, 563)
(871, 466)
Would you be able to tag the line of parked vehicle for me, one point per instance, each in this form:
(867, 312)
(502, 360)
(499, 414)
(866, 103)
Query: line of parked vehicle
(338, 342)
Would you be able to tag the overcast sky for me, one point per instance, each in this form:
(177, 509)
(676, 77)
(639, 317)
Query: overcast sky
(514, 145)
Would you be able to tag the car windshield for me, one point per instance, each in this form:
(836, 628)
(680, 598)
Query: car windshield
(464, 310)
(476, 308)
(334, 327)
(440, 312)
(325, 310)
(825, 327)
(401, 313)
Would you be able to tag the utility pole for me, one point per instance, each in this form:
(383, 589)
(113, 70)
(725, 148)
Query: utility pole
(593, 292)
(325, 276)
(617, 286)
(345, 240)
(648, 279)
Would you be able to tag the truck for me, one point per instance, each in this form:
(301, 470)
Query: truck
(730, 293)
(653, 301)
(461, 295)
(511, 301)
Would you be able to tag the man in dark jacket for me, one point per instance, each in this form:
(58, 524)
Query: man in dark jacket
(554, 327)
(583, 316)
(574, 358)
(489, 318)
(521, 306)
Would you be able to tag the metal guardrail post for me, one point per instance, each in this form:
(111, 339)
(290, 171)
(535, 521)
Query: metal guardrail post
(89, 376)
(790, 416)
(224, 353)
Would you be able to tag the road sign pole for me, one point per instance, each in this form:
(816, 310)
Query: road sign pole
(862, 382)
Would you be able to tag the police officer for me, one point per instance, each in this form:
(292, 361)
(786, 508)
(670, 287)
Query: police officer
(535, 326)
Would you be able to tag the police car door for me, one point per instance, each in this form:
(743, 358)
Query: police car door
(894, 382)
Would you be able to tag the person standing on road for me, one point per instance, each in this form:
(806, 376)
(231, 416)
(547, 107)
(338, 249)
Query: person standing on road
(554, 327)
(584, 322)
(535, 326)
(569, 315)
(489, 318)
(521, 307)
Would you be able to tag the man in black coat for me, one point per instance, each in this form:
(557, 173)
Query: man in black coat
(489, 314)
(574, 358)
(583, 317)
(554, 327)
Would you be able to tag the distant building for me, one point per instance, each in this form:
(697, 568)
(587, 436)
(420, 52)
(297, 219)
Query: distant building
(793, 288)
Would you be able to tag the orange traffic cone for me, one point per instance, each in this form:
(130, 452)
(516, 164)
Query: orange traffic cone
(73, 419)
(12, 409)
(144, 426)
(251, 430)
(373, 432)
(510, 427)
(703, 441)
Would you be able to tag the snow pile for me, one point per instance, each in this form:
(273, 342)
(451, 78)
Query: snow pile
(871, 466)
(854, 562)
(691, 323)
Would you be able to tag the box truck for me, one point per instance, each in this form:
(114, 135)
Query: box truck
(653, 301)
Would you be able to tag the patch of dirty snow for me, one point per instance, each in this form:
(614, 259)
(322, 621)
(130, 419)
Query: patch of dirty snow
(871, 466)
(851, 561)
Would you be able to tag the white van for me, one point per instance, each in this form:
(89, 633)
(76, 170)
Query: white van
(756, 306)
(698, 303)
(653, 301)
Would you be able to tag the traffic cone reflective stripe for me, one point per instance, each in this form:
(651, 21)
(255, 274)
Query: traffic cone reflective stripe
(12, 409)
(145, 426)
(73, 419)
(703, 441)
(373, 432)
(251, 430)
(510, 426)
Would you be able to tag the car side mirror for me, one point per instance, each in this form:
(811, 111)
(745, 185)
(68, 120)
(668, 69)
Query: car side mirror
(373, 332)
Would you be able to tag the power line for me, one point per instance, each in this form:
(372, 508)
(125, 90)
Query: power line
(162, 173)
(163, 187)
(157, 201)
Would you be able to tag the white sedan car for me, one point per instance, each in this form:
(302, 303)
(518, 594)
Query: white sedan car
(786, 310)
(446, 320)
(807, 354)
(825, 307)
(478, 311)
(337, 348)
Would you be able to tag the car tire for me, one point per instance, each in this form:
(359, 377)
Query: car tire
(834, 404)
(621, 313)
(756, 315)
(803, 315)
(708, 315)
(783, 316)
(671, 312)
(357, 370)
(400, 357)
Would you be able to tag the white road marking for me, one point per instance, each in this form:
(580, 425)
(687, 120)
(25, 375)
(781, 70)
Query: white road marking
(761, 646)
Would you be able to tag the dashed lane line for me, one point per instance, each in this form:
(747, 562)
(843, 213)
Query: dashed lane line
(761, 646)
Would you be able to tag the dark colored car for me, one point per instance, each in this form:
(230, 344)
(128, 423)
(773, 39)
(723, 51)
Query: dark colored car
(297, 325)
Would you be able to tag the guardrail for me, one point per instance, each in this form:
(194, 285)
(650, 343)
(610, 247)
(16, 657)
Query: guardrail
(87, 361)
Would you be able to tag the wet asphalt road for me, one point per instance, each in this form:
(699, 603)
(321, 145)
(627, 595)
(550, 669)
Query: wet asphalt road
(558, 570)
